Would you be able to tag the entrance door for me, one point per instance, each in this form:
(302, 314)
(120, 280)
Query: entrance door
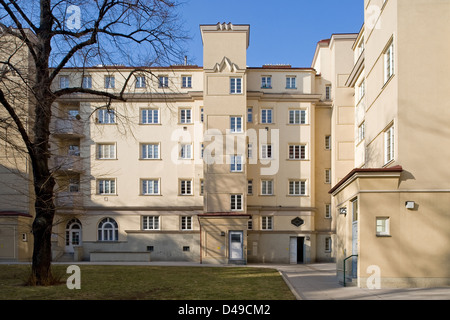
(236, 245)
(73, 235)
(296, 246)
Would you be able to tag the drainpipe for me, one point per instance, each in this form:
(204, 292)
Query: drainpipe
(353, 255)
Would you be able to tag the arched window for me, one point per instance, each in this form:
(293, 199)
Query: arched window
(108, 230)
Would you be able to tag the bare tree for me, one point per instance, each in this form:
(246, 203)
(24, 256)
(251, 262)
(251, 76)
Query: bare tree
(74, 33)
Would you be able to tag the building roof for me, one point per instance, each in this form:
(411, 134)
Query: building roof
(365, 170)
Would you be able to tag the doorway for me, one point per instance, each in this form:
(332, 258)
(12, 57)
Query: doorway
(236, 245)
(73, 235)
(296, 250)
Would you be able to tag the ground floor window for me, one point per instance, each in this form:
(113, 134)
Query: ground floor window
(108, 230)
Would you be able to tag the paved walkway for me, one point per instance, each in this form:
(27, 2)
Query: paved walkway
(319, 282)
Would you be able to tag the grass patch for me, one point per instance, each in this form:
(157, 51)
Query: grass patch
(150, 283)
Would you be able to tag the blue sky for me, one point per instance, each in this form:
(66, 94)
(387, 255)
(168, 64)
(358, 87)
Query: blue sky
(281, 31)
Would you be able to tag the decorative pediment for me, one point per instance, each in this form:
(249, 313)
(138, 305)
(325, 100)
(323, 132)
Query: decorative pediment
(226, 65)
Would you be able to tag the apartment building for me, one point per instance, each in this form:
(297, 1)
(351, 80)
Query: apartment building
(215, 164)
(342, 161)
(392, 210)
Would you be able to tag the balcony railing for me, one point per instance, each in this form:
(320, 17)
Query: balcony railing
(68, 127)
(68, 163)
(69, 200)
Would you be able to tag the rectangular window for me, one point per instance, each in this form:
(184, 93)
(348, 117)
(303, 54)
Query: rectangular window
(106, 116)
(266, 116)
(236, 163)
(236, 202)
(266, 151)
(291, 82)
(185, 151)
(186, 81)
(328, 210)
(266, 187)
(235, 85)
(266, 82)
(150, 223)
(361, 132)
(297, 188)
(163, 81)
(236, 124)
(327, 142)
(267, 223)
(249, 187)
(202, 187)
(186, 187)
(140, 82)
(186, 223)
(382, 226)
(107, 186)
(149, 116)
(250, 115)
(202, 115)
(150, 151)
(297, 152)
(250, 223)
(106, 151)
(327, 244)
(389, 145)
(110, 82)
(185, 116)
(297, 116)
(150, 187)
(361, 90)
(328, 92)
(250, 150)
(389, 62)
(63, 82)
(327, 175)
(87, 82)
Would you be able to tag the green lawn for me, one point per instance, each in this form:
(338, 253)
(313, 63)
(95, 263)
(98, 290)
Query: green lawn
(150, 283)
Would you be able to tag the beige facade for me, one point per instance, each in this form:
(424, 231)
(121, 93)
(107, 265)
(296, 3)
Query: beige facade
(341, 161)
(395, 217)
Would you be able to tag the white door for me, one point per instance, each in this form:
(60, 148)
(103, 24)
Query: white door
(236, 245)
(293, 250)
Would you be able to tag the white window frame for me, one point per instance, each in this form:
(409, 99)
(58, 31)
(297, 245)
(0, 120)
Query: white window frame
(266, 151)
(361, 131)
(236, 85)
(297, 152)
(298, 116)
(327, 176)
(186, 187)
(249, 114)
(150, 187)
(151, 223)
(108, 230)
(185, 115)
(267, 187)
(186, 151)
(163, 81)
(149, 116)
(236, 202)
(266, 116)
(186, 223)
(297, 188)
(250, 187)
(110, 82)
(266, 82)
(86, 82)
(389, 144)
(328, 210)
(140, 82)
(291, 82)
(327, 142)
(106, 151)
(382, 226)
(150, 151)
(328, 92)
(106, 116)
(267, 223)
(236, 124)
(106, 186)
(236, 163)
(64, 82)
(389, 67)
(186, 81)
(328, 244)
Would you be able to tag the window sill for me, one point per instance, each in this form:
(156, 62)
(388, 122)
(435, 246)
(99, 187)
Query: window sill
(383, 235)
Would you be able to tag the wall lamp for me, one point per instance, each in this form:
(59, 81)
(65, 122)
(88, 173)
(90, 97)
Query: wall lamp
(343, 210)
